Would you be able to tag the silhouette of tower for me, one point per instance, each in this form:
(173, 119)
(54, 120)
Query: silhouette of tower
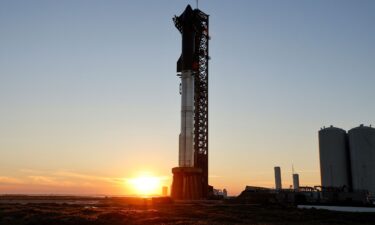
(190, 179)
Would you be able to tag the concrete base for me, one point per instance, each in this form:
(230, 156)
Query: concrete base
(187, 183)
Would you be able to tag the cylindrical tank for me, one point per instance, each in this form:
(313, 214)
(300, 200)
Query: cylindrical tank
(362, 157)
(295, 181)
(334, 157)
(278, 178)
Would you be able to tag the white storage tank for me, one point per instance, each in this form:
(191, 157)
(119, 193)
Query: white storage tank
(362, 157)
(334, 157)
(295, 181)
(278, 185)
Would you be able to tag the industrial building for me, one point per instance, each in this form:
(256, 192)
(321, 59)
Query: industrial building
(347, 166)
(347, 160)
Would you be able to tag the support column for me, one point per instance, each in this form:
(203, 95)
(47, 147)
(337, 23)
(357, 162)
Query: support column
(187, 183)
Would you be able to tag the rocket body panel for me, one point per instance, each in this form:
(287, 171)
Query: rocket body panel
(187, 26)
(186, 146)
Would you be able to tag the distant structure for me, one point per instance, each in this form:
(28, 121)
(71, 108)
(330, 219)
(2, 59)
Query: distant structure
(190, 178)
(334, 157)
(278, 178)
(295, 181)
(225, 193)
(348, 160)
(362, 158)
(165, 191)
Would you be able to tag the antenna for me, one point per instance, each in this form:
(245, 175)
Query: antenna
(292, 169)
(197, 1)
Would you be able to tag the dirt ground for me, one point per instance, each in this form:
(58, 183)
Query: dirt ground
(116, 212)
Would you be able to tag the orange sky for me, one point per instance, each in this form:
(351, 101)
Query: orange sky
(89, 96)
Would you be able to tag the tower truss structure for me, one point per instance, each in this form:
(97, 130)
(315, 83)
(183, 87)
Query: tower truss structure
(199, 66)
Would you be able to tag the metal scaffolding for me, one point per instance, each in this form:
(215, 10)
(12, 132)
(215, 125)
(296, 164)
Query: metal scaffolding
(200, 26)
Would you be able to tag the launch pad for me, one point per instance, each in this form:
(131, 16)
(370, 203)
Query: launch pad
(187, 183)
(190, 179)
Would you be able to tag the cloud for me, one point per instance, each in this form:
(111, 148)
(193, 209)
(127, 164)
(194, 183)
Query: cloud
(43, 180)
(67, 178)
(68, 174)
(67, 182)
(47, 176)
(10, 180)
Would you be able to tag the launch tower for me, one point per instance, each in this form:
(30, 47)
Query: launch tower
(190, 178)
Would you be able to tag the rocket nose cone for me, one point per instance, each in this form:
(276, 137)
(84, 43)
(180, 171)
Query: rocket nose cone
(188, 8)
(187, 14)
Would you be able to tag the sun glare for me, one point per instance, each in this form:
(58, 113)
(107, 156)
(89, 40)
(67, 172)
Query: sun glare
(146, 185)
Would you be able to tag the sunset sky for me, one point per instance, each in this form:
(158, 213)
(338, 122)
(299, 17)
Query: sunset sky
(89, 97)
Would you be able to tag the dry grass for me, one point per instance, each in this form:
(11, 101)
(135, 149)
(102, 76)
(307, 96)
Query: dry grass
(132, 211)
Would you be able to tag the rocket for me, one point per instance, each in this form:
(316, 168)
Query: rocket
(187, 64)
(190, 178)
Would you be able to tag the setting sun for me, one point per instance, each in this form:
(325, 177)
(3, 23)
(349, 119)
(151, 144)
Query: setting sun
(146, 185)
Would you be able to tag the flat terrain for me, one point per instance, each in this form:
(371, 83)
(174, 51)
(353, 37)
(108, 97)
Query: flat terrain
(114, 211)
